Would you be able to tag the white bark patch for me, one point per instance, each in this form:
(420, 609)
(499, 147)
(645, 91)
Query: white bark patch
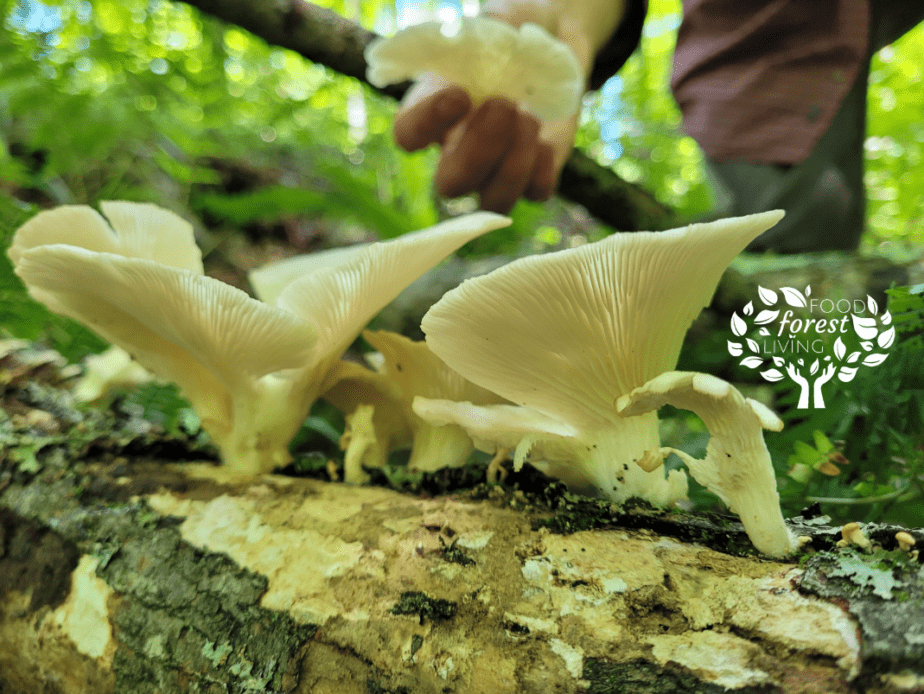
(585, 576)
(478, 540)
(84, 616)
(298, 561)
(572, 655)
(722, 659)
(773, 610)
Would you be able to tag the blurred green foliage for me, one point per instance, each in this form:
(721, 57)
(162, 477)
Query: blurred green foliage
(150, 100)
(135, 99)
(862, 456)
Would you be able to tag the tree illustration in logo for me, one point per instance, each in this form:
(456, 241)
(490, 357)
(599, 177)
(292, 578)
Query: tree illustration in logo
(874, 333)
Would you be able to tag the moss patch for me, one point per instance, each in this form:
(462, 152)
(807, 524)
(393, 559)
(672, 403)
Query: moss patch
(425, 607)
(642, 677)
(186, 620)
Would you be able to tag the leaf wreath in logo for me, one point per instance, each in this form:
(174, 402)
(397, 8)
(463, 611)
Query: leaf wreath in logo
(874, 333)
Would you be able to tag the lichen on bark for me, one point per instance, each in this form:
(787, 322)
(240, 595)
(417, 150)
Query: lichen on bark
(884, 590)
(217, 583)
(184, 620)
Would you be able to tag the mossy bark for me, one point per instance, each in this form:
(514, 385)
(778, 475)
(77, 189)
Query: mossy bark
(195, 600)
(127, 573)
(181, 620)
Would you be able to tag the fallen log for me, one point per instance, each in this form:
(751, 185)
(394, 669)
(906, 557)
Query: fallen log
(124, 572)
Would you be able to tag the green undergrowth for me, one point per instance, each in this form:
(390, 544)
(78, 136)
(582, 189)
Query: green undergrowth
(862, 456)
(863, 460)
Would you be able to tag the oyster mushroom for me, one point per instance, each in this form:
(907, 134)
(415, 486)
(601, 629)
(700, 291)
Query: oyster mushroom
(107, 371)
(565, 334)
(251, 370)
(487, 57)
(406, 370)
(737, 466)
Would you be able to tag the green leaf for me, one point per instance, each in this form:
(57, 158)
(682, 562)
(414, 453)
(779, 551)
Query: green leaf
(806, 454)
(822, 443)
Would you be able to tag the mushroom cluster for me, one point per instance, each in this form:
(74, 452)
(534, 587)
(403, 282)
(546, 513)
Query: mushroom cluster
(584, 341)
(378, 406)
(251, 369)
(563, 359)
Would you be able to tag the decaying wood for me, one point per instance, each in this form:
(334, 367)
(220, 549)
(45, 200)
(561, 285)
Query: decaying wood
(328, 39)
(120, 572)
(149, 577)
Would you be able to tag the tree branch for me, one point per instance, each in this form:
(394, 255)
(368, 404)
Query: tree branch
(328, 39)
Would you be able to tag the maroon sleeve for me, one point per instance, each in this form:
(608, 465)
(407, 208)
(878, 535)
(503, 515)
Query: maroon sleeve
(761, 80)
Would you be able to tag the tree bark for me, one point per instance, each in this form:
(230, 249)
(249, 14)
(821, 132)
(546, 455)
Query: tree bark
(121, 572)
(147, 577)
(326, 38)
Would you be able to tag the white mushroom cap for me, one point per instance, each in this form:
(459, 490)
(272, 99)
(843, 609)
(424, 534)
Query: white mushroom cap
(340, 298)
(496, 426)
(104, 372)
(354, 385)
(409, 369)
(737, 467)
(139, 285)
(269, 280)
(203, 334)
(487, 57)
(566, 333)
(417, 371)
(251, 370)
(139, 230)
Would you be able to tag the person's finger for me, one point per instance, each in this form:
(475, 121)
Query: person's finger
(428, 121)
(471, 155)
(506, 186)
(543, 180)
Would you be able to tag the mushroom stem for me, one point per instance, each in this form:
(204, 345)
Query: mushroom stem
(737, 466)
(496, 471)
(600, 462)
(362, 445)
(611, 463)
(437, 447)
(255, 440)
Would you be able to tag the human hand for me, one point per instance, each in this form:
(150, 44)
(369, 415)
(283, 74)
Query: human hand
(496, 150)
